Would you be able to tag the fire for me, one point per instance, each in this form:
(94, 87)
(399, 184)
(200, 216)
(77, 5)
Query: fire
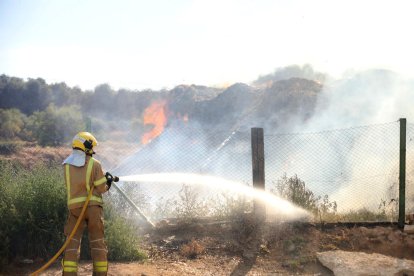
(182, 118)
(154, 115)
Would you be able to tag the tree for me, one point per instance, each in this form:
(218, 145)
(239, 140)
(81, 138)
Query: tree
(11, 92)
(55, 126)
(12, 123)
(36, 96)
(293, 71)
(102, 100)
(62, 95)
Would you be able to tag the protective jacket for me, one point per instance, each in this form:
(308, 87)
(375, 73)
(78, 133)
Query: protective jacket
(79, 180)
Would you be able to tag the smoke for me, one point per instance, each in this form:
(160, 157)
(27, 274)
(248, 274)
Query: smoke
(374, 96)
(341, 137)
(366, 158)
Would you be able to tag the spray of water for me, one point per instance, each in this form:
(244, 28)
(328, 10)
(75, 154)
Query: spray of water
(274, 204)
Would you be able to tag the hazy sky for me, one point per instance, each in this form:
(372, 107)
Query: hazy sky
(159, 44)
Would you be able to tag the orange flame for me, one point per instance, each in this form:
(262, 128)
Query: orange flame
(183, 118)
(154, 115)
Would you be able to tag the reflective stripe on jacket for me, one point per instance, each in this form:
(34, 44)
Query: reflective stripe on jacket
(79, 180)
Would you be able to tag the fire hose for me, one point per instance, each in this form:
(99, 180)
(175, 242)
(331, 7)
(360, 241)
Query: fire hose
(78, 222)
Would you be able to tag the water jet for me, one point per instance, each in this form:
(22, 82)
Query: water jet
(275, 205)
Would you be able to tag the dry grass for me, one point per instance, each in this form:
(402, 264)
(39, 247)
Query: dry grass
(109, 153)
(31, 155)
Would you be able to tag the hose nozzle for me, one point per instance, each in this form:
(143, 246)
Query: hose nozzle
(110, 178)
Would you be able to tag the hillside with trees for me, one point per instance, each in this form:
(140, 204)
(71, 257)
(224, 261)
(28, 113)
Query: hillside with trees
(50, 114)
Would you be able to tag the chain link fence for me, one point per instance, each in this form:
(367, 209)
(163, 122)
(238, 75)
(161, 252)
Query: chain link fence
(356, 167)
(409, 180)
(347, 174)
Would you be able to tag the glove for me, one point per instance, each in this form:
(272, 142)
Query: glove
(110, 178)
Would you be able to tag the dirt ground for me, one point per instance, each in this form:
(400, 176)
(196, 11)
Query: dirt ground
(244, 248)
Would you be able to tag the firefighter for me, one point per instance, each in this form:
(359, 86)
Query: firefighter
(81, 172)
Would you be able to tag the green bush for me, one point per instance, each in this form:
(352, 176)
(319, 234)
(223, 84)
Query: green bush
(33, 212)
(294, 189)
(7, 212)
(229, 206)
(121, 237)
(186, 207)
(12, 123)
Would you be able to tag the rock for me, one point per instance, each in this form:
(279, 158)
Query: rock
(409, 218)
(409, 229)
(360, 263)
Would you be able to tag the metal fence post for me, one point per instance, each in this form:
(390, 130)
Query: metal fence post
(258, 169)
(401, 209)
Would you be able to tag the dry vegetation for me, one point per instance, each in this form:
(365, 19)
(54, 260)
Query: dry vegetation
(238, 248)
(31, 154)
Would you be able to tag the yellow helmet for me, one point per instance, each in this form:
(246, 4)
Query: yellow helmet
(84, 141)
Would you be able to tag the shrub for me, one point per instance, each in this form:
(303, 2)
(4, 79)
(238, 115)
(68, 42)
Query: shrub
(12, 123)
(186, 207)
(294, 190)
(32, 210)
(10, 147)
(7, 212)
(189, 206)
(121, 237)
(229, 206)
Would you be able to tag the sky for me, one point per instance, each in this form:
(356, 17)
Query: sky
(160, 44)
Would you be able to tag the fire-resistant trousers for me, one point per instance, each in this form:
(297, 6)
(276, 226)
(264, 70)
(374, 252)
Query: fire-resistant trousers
(94, 220)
